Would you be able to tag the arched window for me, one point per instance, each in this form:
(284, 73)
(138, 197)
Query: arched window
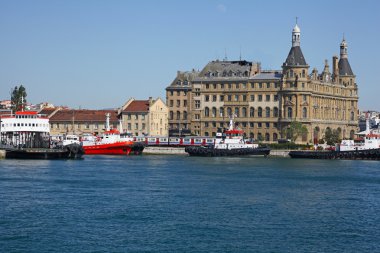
(229, 112)
(207, 112)
(252, 112)
(237, 112)
(213, 112)
(244, 112)
(352, 116)
(178, 115)
(290, 112)
(267, 137)
(275, 112)
(304, 112)
(185, 115)
(221, 111)
(275, 137)
(303, 73)
(267, 112)
(259, 112)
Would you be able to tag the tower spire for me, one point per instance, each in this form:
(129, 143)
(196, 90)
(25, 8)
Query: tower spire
(296, 34)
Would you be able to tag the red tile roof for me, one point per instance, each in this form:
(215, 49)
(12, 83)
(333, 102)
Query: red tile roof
(138, 106)
(84, 116)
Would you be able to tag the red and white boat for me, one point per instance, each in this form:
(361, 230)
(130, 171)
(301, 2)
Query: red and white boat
(110, 143)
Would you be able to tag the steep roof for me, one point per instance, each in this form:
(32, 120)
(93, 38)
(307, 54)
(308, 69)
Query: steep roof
(138, 106)
(344, 67)
(221, 67)
(84, 115)
(295, 57)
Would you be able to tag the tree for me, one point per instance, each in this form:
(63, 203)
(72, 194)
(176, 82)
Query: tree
(294, 130)
(332, 136)
(18, 98)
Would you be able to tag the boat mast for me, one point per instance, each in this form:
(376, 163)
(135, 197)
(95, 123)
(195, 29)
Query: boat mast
(107, 121)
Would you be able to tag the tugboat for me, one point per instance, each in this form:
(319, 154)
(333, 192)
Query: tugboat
(26, 135)
(111, 142)
(366, 147)
(228, 143)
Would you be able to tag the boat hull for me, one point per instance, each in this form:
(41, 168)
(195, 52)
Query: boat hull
(209, 152)
(121, 148)
(68, 152)
(367, 154)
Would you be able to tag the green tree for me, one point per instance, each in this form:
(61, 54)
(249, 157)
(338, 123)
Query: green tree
(294, 130)
(332, 136)
(18, 98)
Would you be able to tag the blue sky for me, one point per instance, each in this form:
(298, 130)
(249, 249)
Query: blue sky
(98, 54)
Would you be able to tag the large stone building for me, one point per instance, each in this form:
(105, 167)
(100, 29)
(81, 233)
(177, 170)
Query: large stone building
(144, 117)
(264, 103)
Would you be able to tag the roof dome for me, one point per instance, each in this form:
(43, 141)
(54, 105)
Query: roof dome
(296, 29)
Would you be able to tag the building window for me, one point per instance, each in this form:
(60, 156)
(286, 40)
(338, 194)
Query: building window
(304, 112)
(252, 112)
(229, 98)
(197, 116)
(214, 98)
(136, 126)
(237, 114)
(178, 103)
(87, 125)
(185, 115)
(260, 98)
(178, 115)
(229, 112)
(251, 124)
(197, 104)
(290, 112)
(352, 116)
(229, 86)
(136, 116)
(268, 85)
(237, 86)
(178, 93)
(244, 112)
(129, 126)
(275, 112)
(222, 86)
(221, 111)
(252, 85)
(185, 103)
(275, 138)
(275, 98)
(252, 97)
(267, 112)
(236, 97)
(143, 126)
(260, 85)
(213, 111)
(259, 125)
(267, 124)
(244, 86)
(221, 98)
(267, 98)
(170, 104)
(267, 137)
(259, 112)
(207, 112)
(129, 116)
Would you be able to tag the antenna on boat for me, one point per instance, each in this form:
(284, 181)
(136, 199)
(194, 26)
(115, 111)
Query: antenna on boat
(107, 121)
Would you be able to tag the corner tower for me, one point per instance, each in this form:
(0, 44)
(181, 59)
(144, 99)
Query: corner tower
(346, 76)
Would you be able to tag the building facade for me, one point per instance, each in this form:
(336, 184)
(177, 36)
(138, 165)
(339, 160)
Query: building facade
(264, 103)
(72, 121)
(144, 117)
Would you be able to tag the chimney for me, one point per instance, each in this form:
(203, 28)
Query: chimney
(256, 68)
(150, 100)
(335, 68)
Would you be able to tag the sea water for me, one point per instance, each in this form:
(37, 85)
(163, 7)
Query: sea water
(189, 204)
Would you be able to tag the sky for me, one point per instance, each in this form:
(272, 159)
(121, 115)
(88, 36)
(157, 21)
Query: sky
(95, 54)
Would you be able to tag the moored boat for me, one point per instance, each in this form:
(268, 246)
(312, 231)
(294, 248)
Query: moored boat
(366, 147)
(110, 143)
(230, 142)
(26, 135)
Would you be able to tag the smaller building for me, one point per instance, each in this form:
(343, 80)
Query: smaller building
(144, 117)
(72, 121)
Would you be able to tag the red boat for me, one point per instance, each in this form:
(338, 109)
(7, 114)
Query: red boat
(110, 143)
